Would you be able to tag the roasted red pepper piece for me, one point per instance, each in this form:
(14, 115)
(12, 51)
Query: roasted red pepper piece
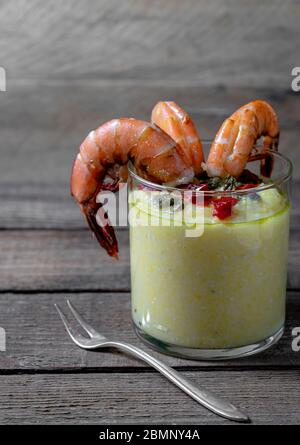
(199, 188)
(223, 206)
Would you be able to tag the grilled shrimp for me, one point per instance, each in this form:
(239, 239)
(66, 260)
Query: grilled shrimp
(102, 158)
(175, 121)
(235, 140)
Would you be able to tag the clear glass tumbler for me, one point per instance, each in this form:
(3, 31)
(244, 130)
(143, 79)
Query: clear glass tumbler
(205, 288)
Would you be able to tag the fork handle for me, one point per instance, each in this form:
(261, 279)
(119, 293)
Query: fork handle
(204, 397)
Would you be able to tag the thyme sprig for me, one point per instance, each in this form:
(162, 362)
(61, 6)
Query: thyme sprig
(222, 184)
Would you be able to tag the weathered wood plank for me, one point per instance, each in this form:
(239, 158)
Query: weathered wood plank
(73, 261)
(208, 43)
(37, 341)
(50, 206)
(61, 260)
(42, 126)
(42, 260)
(268, 397)
(75, 107)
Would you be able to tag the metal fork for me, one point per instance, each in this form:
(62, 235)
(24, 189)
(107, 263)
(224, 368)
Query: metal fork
(96, 340)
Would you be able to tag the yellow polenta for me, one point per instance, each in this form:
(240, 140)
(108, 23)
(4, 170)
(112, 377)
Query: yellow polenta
(225, 288)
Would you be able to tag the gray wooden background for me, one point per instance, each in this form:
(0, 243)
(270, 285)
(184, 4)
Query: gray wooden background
(70, 66)
(191, 42)
(73, 64)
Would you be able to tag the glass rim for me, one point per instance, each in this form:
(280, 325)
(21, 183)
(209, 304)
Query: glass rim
(259, 188)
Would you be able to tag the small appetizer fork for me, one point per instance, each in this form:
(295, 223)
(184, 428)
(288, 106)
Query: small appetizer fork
(206, 398)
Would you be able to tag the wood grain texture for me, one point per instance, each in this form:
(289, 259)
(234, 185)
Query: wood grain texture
(71, 66)
(61, 260)
(145, 398)
(205, 43)
(50, 206)
(73, 261)
(42, 126)
(38, 342)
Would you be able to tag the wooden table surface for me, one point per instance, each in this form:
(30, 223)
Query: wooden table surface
(69, 70)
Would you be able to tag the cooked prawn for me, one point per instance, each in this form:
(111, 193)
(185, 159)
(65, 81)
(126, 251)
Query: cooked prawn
(176, 122)
(235, 140)
(102, 157)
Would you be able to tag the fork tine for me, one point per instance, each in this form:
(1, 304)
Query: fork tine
(87, 327)
(77, 338)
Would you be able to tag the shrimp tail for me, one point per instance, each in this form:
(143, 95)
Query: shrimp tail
(267, 163)
(235, 143)
(101, 165)
(265, 156)
(103, 232)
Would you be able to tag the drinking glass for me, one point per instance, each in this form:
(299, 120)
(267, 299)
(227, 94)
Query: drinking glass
(204, 287)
